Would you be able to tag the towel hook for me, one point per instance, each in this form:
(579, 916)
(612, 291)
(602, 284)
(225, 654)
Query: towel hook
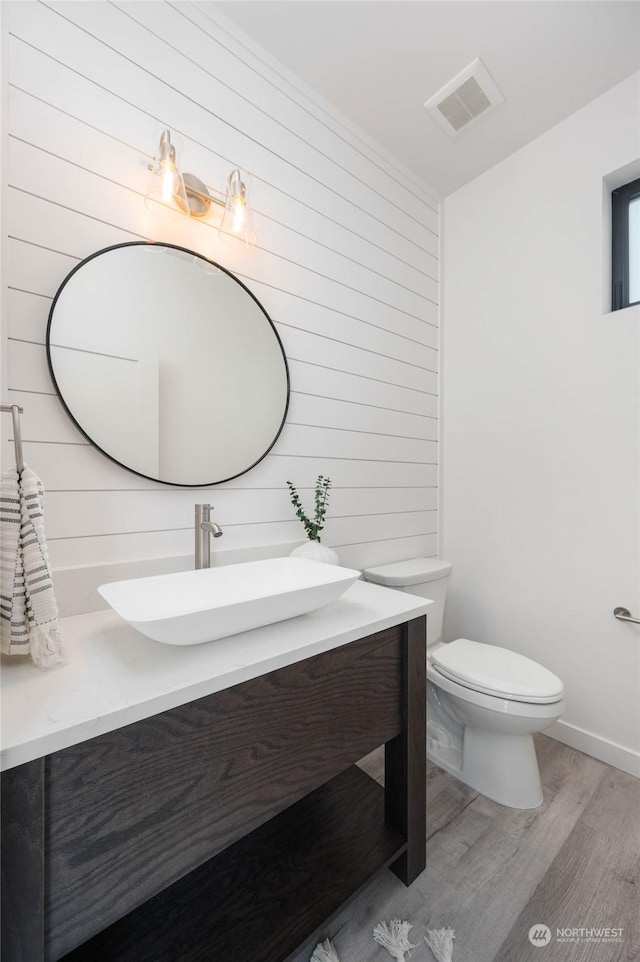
(15, 410)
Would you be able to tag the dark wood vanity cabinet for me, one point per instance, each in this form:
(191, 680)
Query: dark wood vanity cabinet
(229, 828)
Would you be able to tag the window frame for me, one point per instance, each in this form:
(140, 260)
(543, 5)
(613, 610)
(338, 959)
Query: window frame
(621, 198)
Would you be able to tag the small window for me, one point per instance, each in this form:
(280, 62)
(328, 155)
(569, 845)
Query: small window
(625, 232)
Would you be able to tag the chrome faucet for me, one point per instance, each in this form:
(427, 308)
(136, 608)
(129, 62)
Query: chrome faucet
(204, 529)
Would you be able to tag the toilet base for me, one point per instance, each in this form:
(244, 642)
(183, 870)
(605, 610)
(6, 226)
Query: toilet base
(502, 767)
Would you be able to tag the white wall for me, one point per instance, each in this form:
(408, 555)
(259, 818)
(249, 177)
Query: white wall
(541, 476)
(346, 265)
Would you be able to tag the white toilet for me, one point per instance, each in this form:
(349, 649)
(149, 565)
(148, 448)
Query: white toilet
(483, 703)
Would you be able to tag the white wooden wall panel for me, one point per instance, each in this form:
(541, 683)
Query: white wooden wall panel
(27, 315)
(312, 378)
(268, 67)
(84, 468)
(379, 552)
(71, 231)
(159, 102)
(51, 85)
(45, 420)
(35, 173)
(164, 21)
(28, 370)
(298, 310)
(311, 410)
(299, 344)
(34, 269)
(346, 265)
(107, 30)
(83, 514)
(327, 442)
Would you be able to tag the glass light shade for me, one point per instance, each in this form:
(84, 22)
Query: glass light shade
(237, 219)
(167, 195)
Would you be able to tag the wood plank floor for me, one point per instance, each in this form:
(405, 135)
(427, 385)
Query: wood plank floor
(493, 872)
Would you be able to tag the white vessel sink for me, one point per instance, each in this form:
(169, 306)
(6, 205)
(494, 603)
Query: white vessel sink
(191, 607)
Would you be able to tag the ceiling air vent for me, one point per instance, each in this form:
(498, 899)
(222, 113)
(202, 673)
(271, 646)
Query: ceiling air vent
(469, 95)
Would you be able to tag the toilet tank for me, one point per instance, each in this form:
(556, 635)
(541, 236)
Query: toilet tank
(425, 577)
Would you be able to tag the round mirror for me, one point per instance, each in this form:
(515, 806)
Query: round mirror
(168, 364)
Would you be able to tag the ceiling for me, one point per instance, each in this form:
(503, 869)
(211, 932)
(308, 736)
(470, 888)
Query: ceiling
(378, 62)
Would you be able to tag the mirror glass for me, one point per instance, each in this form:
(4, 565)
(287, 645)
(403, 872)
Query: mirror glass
(168, 364)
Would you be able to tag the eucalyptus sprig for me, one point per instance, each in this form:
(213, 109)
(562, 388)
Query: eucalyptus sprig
(321, 500)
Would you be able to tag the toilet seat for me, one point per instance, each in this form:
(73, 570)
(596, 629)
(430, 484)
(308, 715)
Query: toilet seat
(497, 672)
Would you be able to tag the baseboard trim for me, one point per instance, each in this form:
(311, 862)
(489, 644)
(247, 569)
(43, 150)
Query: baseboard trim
(626, 759)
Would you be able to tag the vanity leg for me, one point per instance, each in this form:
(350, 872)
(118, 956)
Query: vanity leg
(406, 757)
(22, 790)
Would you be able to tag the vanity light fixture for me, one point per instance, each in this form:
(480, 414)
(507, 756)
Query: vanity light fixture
(190, 195)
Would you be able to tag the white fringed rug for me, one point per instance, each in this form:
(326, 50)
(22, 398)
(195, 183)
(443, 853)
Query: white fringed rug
(394, 937)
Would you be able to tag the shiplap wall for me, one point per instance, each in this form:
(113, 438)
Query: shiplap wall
(346, 265)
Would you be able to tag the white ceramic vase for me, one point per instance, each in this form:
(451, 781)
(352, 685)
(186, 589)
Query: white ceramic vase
(315, 551)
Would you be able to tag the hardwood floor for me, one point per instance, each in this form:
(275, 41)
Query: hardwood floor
(493, 872)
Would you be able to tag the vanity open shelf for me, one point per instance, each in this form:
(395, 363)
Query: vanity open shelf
(263, 896)
(231, 827)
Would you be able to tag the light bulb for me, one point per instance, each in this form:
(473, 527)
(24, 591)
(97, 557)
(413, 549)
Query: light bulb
(168, 180)
(163, 197)
(239, 214)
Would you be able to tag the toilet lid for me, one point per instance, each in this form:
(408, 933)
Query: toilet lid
(497, 671)
(415, 571)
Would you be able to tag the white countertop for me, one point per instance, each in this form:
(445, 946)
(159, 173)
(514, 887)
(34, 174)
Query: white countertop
(115, 676)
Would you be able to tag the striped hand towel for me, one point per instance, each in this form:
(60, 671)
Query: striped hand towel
(29, 615)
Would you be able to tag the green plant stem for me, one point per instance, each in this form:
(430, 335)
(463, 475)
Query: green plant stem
(313, 528)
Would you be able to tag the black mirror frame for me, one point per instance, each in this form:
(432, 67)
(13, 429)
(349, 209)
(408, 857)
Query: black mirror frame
(174, 484)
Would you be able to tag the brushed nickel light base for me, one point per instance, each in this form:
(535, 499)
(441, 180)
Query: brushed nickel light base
(198, 197)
